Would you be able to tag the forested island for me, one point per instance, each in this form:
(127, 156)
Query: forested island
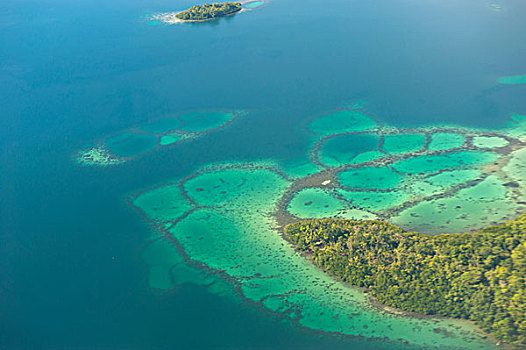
(208, 12)
(477, 276)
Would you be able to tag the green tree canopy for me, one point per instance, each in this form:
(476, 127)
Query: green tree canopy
(479, 276)
(209, 11)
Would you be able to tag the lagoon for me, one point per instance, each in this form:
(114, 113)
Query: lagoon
(75, 253)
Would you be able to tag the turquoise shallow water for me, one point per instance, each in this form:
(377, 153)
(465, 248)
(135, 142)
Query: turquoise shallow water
(225, 218)
(253, 4)
(78, 262)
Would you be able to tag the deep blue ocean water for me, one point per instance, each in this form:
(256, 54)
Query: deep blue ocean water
(72, 72)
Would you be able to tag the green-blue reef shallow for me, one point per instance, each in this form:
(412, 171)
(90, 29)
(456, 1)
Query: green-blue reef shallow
(225, 219)
(253, 4)
(139, 141)
(479, 276)
(230, 230)
(425, 179)
(512, 79)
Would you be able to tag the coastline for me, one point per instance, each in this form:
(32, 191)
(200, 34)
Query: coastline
(491, 334)
(397, 312)
(295, 294)
(171, 17)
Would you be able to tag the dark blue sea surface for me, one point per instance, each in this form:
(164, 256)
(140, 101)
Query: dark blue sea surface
(72, 72)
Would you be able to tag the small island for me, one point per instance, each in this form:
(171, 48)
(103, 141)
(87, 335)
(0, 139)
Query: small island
(207, 12)
(477, 276)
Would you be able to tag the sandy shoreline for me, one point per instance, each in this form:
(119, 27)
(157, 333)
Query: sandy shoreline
(170, 17)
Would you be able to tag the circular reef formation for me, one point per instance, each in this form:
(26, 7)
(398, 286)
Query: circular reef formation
(139, 141)
(224, 222)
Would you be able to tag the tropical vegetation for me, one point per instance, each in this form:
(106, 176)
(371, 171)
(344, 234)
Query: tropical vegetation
(209, 11)
(479, 276)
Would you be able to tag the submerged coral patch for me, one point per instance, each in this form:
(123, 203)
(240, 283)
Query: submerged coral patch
(470, 209)
(375, 201)
(512, 79)
(380, 178)
(442, 141)
(131, 144)
(97, 156)
(344, 149)
(298, 167)
(199, 122)
(229, 232)
(168, 269)
(253, 4)
(315, 203)
(404, 143)
(516, 127)
(169, 139)
(230, 186)
(489, 142)
(447, 179)
(367, 157)
(515, 169)
(226, 218)
(138, 141)
(162, 204)
(431, 163)
(160, 256)
(341, 122)
(163, 125)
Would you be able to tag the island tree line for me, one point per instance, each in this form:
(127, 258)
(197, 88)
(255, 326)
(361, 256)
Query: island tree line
(479, 276)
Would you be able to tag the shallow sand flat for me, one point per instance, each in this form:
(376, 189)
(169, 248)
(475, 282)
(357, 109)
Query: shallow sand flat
(512, 79)
(226, 218)
(141, 140)
(234, 234)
